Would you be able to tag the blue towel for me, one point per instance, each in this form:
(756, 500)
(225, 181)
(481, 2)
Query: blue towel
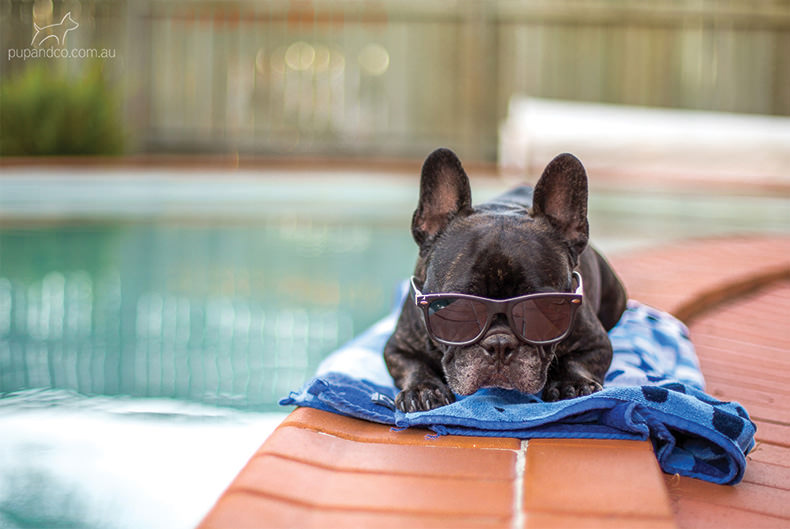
(654, 390)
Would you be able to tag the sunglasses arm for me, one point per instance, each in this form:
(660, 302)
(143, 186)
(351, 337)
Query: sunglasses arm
(580, 288)
(417, 293)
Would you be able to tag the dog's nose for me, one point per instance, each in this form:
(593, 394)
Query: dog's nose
(499, 345)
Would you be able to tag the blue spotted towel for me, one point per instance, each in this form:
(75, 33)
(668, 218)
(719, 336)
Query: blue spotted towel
(654, 390)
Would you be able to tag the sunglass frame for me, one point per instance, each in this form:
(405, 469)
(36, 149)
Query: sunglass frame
(498, 306)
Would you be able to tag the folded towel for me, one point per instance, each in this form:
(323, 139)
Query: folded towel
(653, 390)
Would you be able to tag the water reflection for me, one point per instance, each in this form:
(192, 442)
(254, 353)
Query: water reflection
(118, 463)
(234, 316)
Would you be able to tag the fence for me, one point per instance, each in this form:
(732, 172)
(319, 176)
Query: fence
(394, 78)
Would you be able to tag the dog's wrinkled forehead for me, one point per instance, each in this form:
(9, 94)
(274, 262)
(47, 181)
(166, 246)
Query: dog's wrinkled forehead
(497, 254)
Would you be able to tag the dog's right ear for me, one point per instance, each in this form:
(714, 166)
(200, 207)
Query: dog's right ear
(444, 192)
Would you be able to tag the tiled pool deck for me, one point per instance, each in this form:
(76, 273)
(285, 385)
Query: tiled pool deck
(323, 470)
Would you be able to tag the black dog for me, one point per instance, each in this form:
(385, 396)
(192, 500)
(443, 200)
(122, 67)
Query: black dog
(527, 253)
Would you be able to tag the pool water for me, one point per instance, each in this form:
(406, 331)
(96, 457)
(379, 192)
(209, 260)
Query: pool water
(150, 321)
(234, 306)
(70, 461)
(229, 315)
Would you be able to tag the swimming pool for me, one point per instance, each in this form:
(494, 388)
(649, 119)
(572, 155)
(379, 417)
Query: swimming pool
(152, 318)
(223, 294)
(229, 288)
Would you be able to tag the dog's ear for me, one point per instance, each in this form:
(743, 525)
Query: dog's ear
(444, 192)
(561, 198)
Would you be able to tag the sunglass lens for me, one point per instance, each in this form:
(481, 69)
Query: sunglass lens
(542, 319)
(456, 320)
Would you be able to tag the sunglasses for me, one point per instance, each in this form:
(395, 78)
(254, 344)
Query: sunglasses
(462, 319)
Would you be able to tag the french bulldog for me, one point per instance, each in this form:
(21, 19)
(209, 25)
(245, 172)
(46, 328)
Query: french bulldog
(497, 299)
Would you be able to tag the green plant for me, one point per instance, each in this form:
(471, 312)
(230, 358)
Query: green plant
(44, 111)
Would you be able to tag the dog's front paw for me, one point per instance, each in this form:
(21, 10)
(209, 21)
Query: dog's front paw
(570, 388)
(423, 397)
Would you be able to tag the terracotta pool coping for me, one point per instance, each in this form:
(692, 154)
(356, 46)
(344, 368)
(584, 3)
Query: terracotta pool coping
(324, 470)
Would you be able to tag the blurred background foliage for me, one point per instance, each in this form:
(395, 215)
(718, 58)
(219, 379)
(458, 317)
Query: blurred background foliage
(387, 78)
(46, 111)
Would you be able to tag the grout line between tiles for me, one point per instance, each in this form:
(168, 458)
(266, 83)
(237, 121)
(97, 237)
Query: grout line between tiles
(519, 516)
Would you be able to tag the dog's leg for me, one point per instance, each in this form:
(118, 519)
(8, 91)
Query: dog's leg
(422, 388)
(415, 365)
(581, 362)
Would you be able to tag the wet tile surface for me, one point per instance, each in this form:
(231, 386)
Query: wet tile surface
(744, 350)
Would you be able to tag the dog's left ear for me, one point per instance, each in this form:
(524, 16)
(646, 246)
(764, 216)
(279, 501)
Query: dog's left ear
(561, 198)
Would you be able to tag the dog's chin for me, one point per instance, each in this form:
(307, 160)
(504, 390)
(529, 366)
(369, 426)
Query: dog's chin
(472, 369)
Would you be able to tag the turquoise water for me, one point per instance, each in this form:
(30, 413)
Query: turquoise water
(150, 322)
(224, 293)
(232, 315)
(70, 461)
